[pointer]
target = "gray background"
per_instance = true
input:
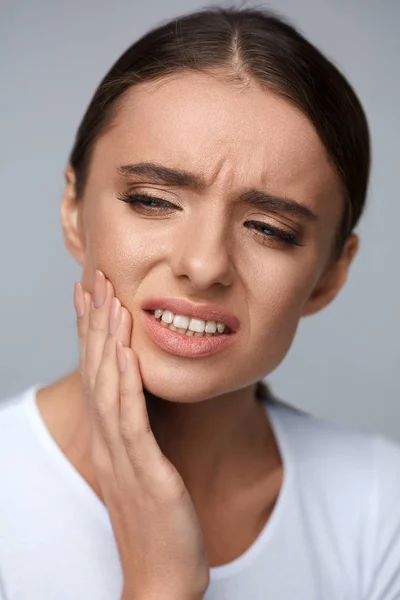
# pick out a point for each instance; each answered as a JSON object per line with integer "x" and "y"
{"x": 344, "y": 363}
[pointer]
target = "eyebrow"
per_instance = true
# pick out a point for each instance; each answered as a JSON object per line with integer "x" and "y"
{"x": 157, "y": 173}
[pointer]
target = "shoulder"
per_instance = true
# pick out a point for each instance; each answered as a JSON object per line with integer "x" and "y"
{"x": 349, "y": 482}
{"x": 382, "y": 535}
{"x": 313, "y": 440}
{"x": 337, "y": 450}
{"x": 14, "y": 417}
{"x": 19, "y": 445}
{"x": 347, "y": 468}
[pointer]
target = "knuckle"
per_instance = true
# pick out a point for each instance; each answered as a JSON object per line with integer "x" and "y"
{"x": 127, "y": 433}
{"x": 81, "y": 328}
{"x": 101, "y": 408}
{"x": 89, "y": 380}
{"x": 124, "y": 388}
{"x": 133, "y": 438}
{"x": 175, "y": 492}
{"x": 101, "y": 413}
{"x": 87, "y": 386}
{"x": 109, "y": 347}
{"x": 136, "y": 445}
{"x": 98, "y": 320}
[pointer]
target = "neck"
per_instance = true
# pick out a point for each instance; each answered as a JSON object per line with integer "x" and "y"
{"x": 211, "y": 440}
{"x": 219, "y": 444}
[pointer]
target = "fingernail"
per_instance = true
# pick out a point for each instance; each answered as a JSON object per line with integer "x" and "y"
{"x": 115, "y": 316}
{"x": 99, "y": 289}
{"x": 79, "y": 300}
{"x": 121, "y": 358}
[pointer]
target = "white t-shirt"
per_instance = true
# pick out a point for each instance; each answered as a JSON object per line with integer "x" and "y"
{"x": 334, "y": 533}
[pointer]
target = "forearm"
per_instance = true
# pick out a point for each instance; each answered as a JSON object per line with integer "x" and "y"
{"x": 164, "y": 591}
{"x": 130, "y": 596}
{"x": 166, "y": 594}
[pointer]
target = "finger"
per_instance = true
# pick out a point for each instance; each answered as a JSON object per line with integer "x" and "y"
{"x": 103, "y": 293}
{"x": 105, "y": 403}
{"x": 81, "y": 303}
{"x": 134, "y": 424}
{"x": 83, "y": 334}
{"x": 124, "y": 330}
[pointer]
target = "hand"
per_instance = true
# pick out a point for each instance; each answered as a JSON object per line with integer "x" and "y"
{"x": 155, "y": 524}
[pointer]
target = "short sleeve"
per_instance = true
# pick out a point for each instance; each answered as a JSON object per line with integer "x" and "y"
{"x": 382, "y": 552}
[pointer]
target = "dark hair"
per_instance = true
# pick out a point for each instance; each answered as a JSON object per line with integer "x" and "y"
{"x": 245, "y": 44}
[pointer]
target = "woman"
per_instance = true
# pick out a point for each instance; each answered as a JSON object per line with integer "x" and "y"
{"x": 213, "y": 189}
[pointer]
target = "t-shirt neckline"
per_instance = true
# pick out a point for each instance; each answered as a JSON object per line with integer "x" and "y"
{"x": 99, "y": 508}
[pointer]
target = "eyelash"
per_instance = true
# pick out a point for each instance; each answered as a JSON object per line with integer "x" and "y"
{"x": 291, "y": 239}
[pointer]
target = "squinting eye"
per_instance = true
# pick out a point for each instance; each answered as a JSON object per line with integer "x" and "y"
{"x": 275, "y": 234}
{"x": 145, "y": 200}
{"x": 152, "y": 204}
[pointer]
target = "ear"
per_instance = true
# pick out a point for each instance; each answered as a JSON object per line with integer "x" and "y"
{"x": 333, "y": 278}
{"x": 71, "y": 218}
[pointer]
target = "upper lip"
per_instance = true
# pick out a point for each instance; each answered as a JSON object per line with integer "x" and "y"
{"x": 206, "y": 312}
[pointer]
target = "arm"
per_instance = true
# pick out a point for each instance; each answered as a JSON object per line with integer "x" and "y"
{"x": 156, "y": 528}
{"x": 156, "y": 596}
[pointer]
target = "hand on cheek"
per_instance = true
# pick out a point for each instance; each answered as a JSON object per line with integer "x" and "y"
{"x": 154, "y": 521}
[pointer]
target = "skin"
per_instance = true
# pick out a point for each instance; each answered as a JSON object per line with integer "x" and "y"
{"x": 237, "y": 138}
{"x": 156, "y": 529}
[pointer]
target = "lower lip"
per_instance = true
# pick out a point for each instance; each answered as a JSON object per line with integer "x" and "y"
{"x": 184, "y": 345}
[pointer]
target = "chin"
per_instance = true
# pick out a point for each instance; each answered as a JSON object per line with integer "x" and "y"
{"x": 176, "y": 384}
{"x": 175, "y": 389}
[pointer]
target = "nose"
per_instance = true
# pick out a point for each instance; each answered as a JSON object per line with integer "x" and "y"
{"x": 202, "y": 253}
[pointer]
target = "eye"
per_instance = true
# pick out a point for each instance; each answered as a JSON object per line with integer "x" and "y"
{"x": 146, "y": 202}
{"x": 269, "y": 234}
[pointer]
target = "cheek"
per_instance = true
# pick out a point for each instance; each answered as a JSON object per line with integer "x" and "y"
{"x": 108, "y": 246}
{"x": 124, "y": 250}
{"x": 283, "y": 281}
{"x": 279, "y": 292}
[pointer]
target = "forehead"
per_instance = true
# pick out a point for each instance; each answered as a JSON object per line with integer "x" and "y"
{"x": 204, "y": 124}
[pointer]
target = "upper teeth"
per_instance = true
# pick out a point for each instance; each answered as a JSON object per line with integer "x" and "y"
{"x": 182, "y": 322}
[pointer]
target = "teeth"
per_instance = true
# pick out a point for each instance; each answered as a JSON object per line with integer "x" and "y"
{"x": 187, "y": 325}
{"x": 167, "y": 316}
{"x": 181, "y": 322}
{"x": 197, "y": 325}
{"x": 211, "y": 327}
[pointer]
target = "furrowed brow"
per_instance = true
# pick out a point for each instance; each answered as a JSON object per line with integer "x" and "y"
{"x": 276, "y": 204}
{"x": 163, "y": 175}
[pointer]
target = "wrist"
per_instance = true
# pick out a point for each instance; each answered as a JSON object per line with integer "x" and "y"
{"x": 156, "y": 596}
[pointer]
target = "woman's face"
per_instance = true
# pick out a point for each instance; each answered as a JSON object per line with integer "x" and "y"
{"x": 209, "y": 245}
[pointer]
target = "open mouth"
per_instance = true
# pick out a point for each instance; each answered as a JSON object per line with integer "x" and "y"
{"x": 189, "y": 326}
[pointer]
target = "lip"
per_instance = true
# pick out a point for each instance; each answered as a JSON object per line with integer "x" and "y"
{"x": 180, "y": 344}
{"x": 206, "y": 312}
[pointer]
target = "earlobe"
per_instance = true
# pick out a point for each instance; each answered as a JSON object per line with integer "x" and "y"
{"x": 334, "y": 278}
{"x": 71, "y": 218}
